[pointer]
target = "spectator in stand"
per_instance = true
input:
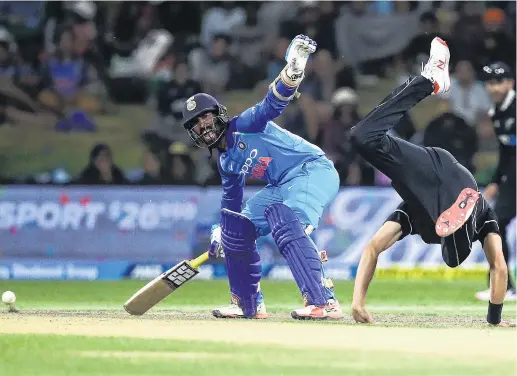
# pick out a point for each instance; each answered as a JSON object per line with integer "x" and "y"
{"x": 316, "y": 20}
{"x": 180, "y": 18}
{"x": 7, "y": 58}
{"x": 101, "y": 170}
{"x": 82, "y": 20}
{"x": 28, "y": 76}
{"x": 249, "y": 45}
{"x": 153, "y": 173}
{"x": 468, "y": 29}
{"x": 467, "y": 95}
{"x": 219, "y": 19}
{"x": 303, "y": 116}
{"x": 418, "y": 49}
{"x": 215, "y": 69}
{"x": 127, "y": 30}
{"x": 171, "y": 96}
{"x": 20, "y": 83}
{"x": 65, "y": 78}
{"x": 496, "y": 44}
{"x": 179, "y": 168}
{"x": 488, "y": 142}
{"x": 277, "y": 59}
{"x": 270, "y": 16}
{"x": 450, "y": 132}
{"x": 334, "y": 139}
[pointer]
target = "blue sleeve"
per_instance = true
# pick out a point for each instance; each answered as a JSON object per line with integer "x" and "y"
{"x": 233, "y": 186}
{"x": 254, "y": 119}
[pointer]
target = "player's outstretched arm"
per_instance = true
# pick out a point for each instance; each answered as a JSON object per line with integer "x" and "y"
{"x": 498, "y": 278}
{"x": 384, "y": 238}
{"x": 282, "y": 89}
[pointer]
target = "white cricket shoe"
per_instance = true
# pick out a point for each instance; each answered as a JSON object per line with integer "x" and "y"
{"x": 311, "y": 312}
{"x": 233, "y": 311}
{"x": 485, "y": 296}
{"x": 437, "y": 67}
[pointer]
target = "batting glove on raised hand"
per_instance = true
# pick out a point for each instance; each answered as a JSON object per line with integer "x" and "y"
{"x": 297, "y": 54}
{"x": 216, "y": 249}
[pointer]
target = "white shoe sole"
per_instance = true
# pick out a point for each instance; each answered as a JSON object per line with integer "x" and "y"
{"x": 447, "y": 79}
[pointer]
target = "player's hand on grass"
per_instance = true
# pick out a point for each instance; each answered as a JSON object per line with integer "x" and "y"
{"x": 505, "y": 324}
{"x": 361, "y": 315}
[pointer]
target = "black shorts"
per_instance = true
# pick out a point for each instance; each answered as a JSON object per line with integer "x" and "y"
{"x": 456, "y": 247}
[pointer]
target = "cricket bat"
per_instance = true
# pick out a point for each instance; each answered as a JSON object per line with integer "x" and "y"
{"x": 163, "y": 285}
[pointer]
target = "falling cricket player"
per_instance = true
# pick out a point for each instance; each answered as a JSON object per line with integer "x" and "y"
{"x": 441, "y": 200}
{"x": 301, "y": 182}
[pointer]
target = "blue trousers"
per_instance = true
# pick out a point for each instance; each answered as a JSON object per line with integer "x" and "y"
{"x": 307, "y": 189}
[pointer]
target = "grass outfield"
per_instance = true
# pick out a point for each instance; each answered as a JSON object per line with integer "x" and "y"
{"x": 80, "y": 328}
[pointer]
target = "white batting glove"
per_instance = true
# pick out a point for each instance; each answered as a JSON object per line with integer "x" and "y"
{"x": 216, "y": 249}
{"x": 297, "y": 54}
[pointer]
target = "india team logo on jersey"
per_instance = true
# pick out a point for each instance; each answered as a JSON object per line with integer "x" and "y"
{"x": 242, "y": 146}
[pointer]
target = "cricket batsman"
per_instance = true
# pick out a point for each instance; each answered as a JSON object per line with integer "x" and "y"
{"x": 301, "y": 182}
{"x": 441, "y": 201}
{"x": 499, "y": 83}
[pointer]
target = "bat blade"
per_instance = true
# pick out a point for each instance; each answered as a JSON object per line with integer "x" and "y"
{"x": 159, "y": 288}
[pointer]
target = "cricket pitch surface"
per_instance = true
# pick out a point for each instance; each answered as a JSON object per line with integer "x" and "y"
{"x": 65, "y": 338}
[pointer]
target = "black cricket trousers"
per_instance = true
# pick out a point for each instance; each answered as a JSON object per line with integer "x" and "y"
{"x": 428, "y": 179}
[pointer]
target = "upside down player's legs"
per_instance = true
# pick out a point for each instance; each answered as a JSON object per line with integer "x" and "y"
{"x": 392, "y": 108}
{"x": 410, "y": 167}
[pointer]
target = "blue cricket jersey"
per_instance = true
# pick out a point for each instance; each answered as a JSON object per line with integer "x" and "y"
{"x": 258, "y": 148}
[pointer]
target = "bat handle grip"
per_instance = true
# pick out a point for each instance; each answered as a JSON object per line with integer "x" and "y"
{"x": 201, "y": 259}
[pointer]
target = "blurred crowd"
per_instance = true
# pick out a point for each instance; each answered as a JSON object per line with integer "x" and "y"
{"x": 64, "y": 63}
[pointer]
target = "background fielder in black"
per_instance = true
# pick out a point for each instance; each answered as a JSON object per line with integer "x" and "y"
{"x": 499, "y": 82}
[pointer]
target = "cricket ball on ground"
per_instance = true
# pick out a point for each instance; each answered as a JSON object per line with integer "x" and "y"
{"x": 8, "y": 297}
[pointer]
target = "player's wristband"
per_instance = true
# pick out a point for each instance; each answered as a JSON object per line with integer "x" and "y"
{"x": 494, "y": 313}
{"x": 283, "y": 91}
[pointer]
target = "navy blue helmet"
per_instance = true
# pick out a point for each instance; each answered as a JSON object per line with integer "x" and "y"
{"x": 497, "y": 71}
{"x": 210, "y": 132}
